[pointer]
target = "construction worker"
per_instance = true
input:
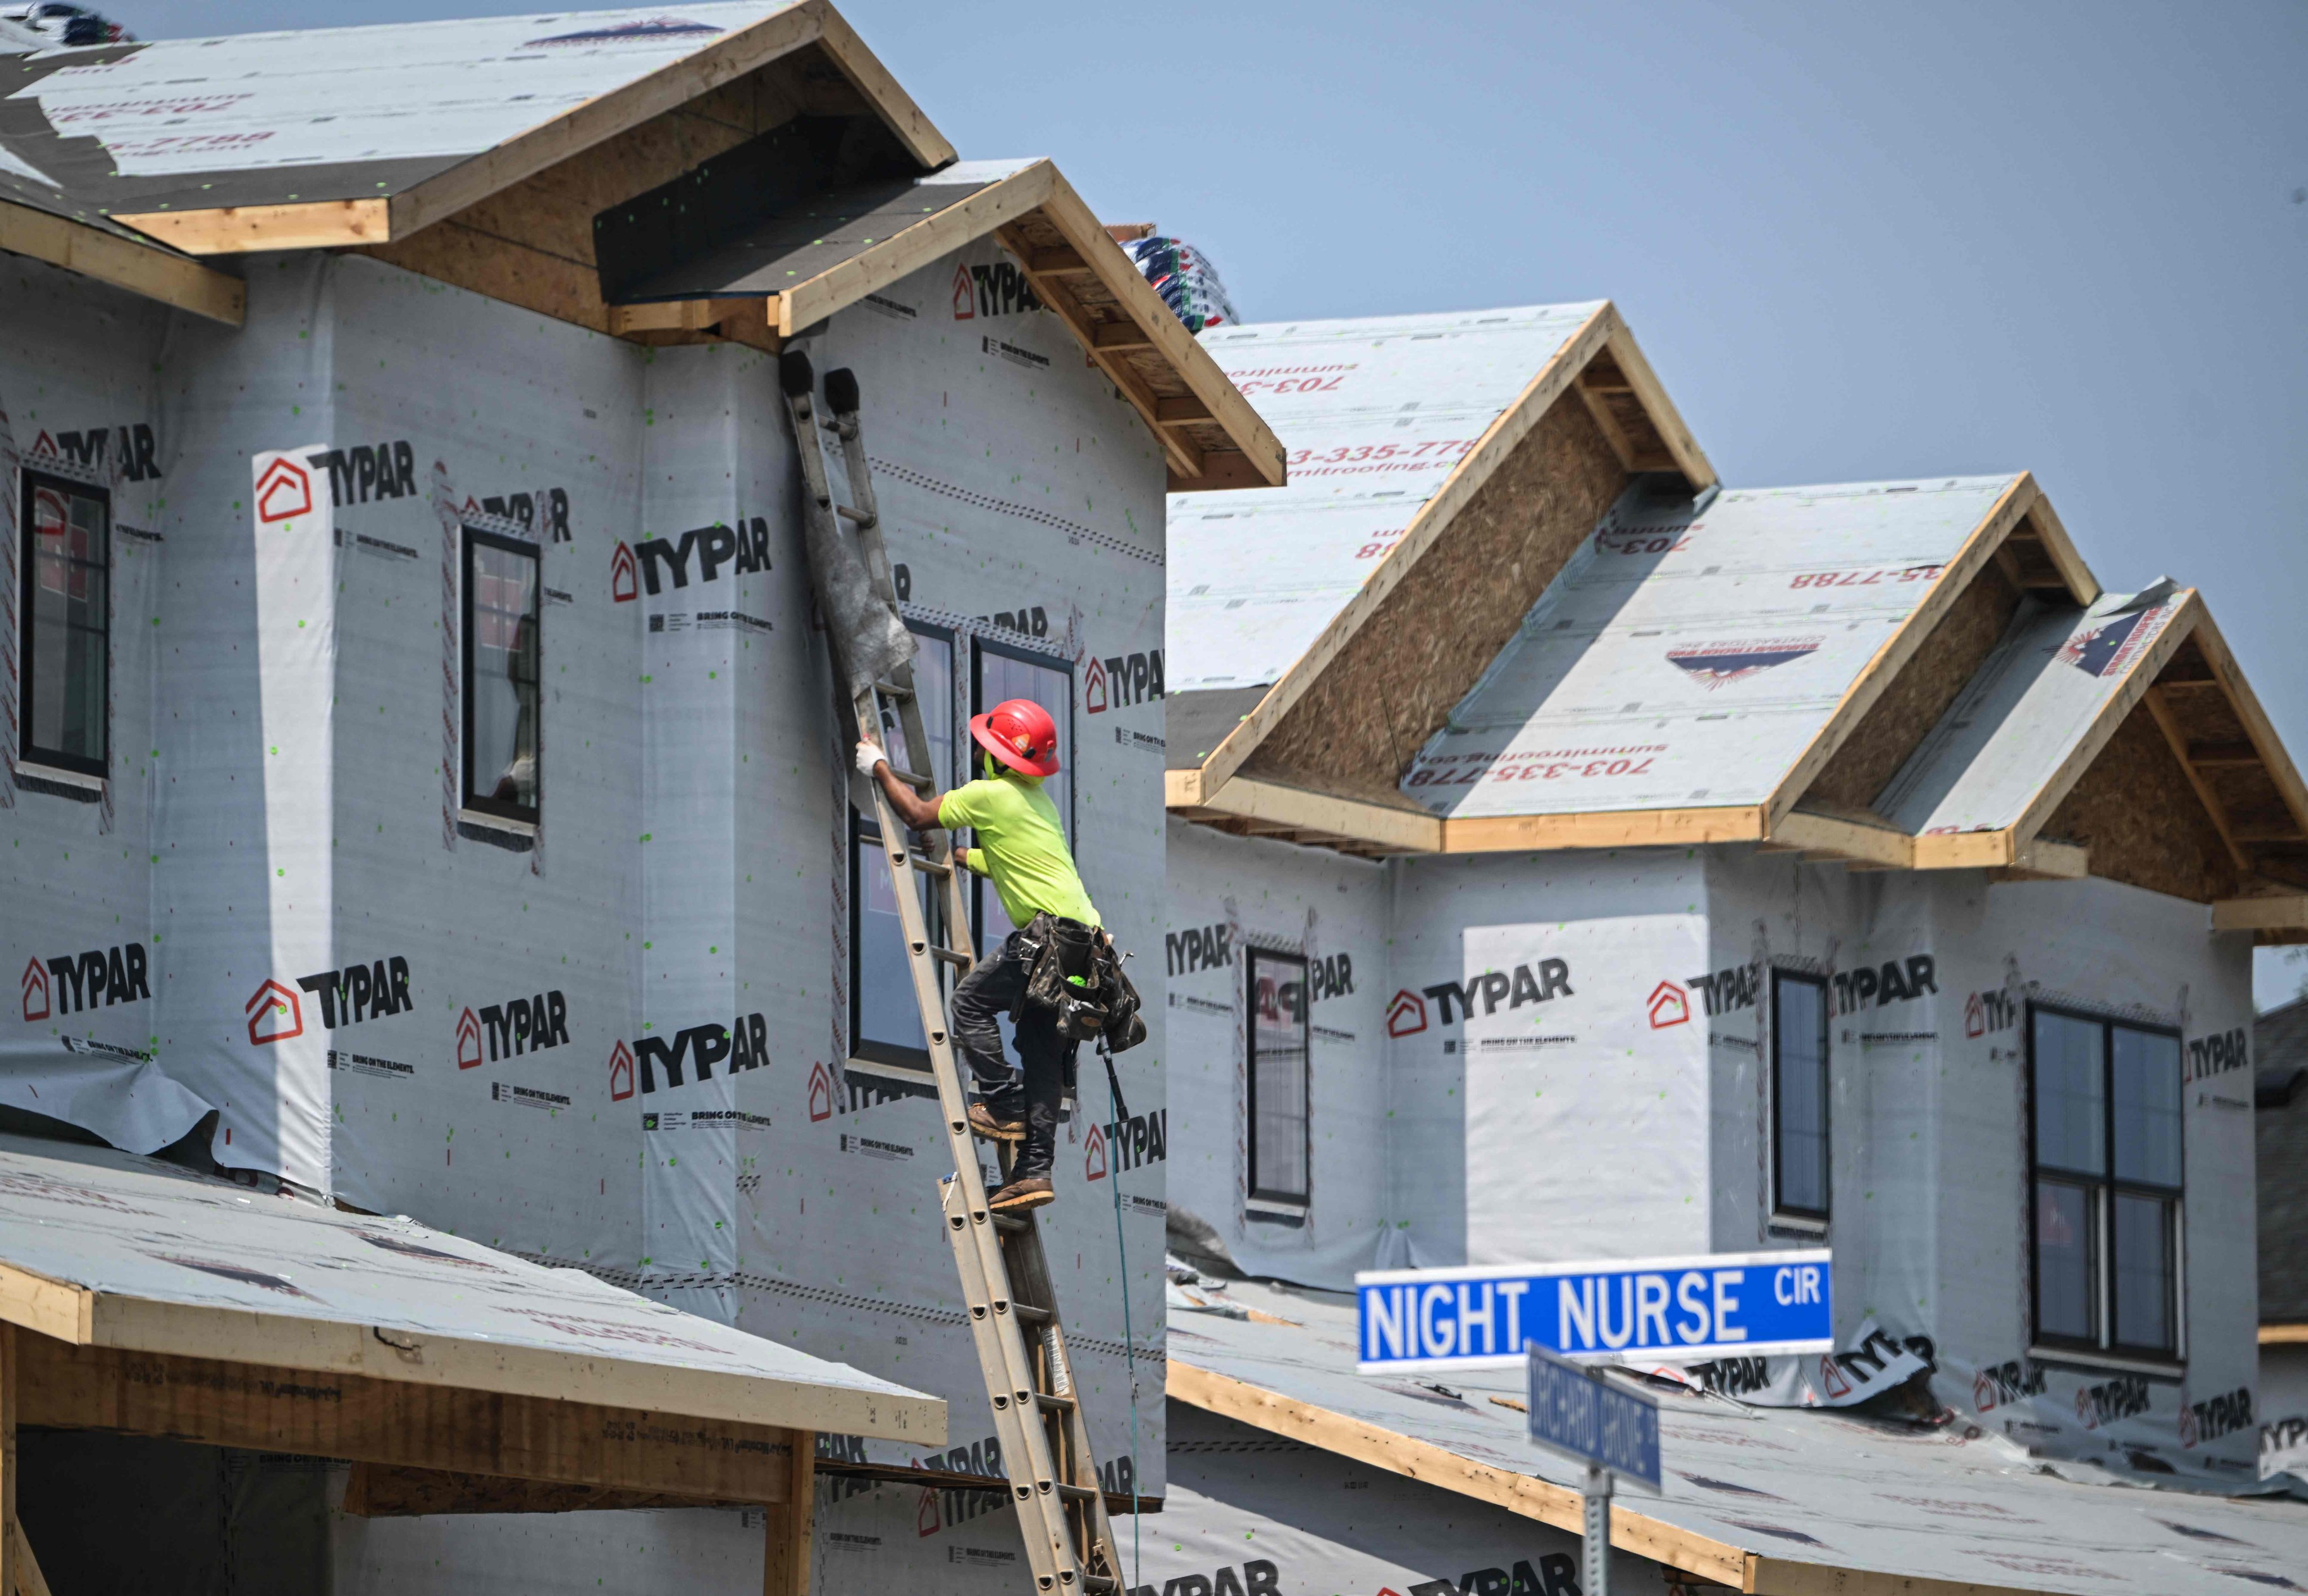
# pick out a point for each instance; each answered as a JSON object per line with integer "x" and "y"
{"x": 1022, "y": 846}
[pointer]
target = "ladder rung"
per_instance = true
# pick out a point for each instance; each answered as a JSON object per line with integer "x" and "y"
{"x": 1012, "y": 1223}
{"x": 1077, "y": 1493}
{"x": 857, "y": 517}
{"x": 1030, "y": 1314}
{"x": 1043, "y": 1399}
{"x": 893, "y": 690}
{"x": 928, "y": 866}
{"x": 958, "y": 961}
{"x": 1100, "y": 1584}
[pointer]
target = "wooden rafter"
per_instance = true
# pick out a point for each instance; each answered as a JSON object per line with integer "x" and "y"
{"x": 130, "y": 263}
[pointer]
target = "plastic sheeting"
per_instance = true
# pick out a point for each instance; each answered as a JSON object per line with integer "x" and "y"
{"x": 1950, "y": 1502}
{"x": 1375, "y": 413}
{"x": 1692, "y": 650}
{"x": 1186, "y": 280}
{"x": 2024, "y": 710}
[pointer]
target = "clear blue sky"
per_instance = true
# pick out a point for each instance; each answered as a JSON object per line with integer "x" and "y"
{"x": 1858, "y": 240}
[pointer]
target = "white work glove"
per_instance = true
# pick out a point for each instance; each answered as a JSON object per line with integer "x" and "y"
{"x": 869, "y": 754}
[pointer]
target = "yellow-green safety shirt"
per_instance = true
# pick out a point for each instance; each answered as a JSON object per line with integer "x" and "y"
{"x": 1021, "y": 845}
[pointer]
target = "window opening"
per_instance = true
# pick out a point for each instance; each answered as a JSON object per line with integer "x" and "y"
{"x": 1279, "y": 1110}
{"x": 1799, "y": 1096}
{"x": 1001, "y": 673}
{"x": 885, "y": 1023}
{"x": 503, "y": 590}
{"x": 66, "y": 643}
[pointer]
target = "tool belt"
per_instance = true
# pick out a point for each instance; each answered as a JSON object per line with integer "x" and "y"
{"x": 1073, "y": 970}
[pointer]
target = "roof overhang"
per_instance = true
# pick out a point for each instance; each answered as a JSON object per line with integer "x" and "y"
{"x": 147, "y": 1300}
{"x": 124, "y": 261}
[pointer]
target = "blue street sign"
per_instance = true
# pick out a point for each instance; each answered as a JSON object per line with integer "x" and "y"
{"x": 1633, "y": 1310}
{"x": 1604, "y": 1425}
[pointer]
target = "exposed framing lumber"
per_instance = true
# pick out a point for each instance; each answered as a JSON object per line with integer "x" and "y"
{"x": 909, "y": 250}
{"x": 12, "y": 1561}
{"x": 1423, "y": 1460}
{"x": 142, "y": 268}
{"x": 2176, "y": 736}
{"x": 787, "y": 1534}
{"x": 82, "y": 1317}
{"x": 1649, "y": 393}
{"x": 339, "y": 223}
{"x": 1874, "y": 679}
{"x": 2245, "y": 705}
{"x": 2137, "y": 683}
{"x": 1601, "y": 331}
{"x": 2277, "y": 911}
{"x": 2044, "y": 527}
{"x": 1826, "y": 837}
{"x": 1624, "y": 828}
{"x": 1272, "y": 808}
{"x": 316, "y": 1414}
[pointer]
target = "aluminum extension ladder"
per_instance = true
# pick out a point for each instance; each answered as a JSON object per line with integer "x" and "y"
{"x": 1005, "y": 1280}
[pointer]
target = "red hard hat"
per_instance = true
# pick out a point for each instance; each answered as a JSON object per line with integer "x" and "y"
{"x": 1020, "y": 734}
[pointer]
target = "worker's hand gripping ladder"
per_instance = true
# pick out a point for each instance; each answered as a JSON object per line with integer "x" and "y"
{"x": 1013, "y": 1314}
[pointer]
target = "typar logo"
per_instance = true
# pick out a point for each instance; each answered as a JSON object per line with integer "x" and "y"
{"x": 1094, "y": 1153}
{"x": 518, "y": 1026}
{"x": 1984, "y": 1011}
{"x": 999, "y": 289}
{"x": 1122, "y": 679}
{"x": 36, "y": 989}
{"x": 821, "y": 1093}
{"x": 1670, "y": 1004}
{"x": 1540, "y": 982}
{"x": 274, "y": 1014}
{"x": 284, "y": 490}
{"x": 1141, "y": 1139}
{"x": 965, "y": 296}
{"x": 469, "y": 1041}
{"x": 1406, "y": 1014}
{"x": 744, "y": 548}
{"x": 625, "y": 583}
{"x": 1717, "y": 664}
{"x": 1094, "y": 687}
{"x": 621, "y": 1073}
{"x": 743, "y": 1044}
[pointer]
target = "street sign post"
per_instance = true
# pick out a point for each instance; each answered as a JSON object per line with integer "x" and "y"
{"x": 1634, "y": 1310}
{"x": 1611, "y": 1429}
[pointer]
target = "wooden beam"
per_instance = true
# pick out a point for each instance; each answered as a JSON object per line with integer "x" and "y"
{"x": 1057, "y": 263}
{"x": 2286, "y": 911}
{"x": 672, "y": 315}
{"x": 865, "y": 72}
{"x": 1187, "y": 408}
{"x": 27, "y": 1578}
{"x": 239, "y": 230}
{"x": 2082, "y": 586}
{"x": 11, "y": 1559}
{"x": 909, "y": 249}
{"x": 1521, "y": 1494}
{"x": 1119, "y": 335}
{"x": 1296, "y": 808}
{"x": 316, "y": 1413}
{"x": 2283, "y": 1335}
{"x": 1833, "y": 837}
{"x": 385, "y": 1491}
{"x": 1875, "y": 676}
{"x": 788, "y": 1535}
{"x": 2176, "y": 736}
{"x": 1665, "y": 418}
{"x": 2245, "y": 705}
{"x": 124, "y": 263}
{"x": 1630, "y": 828}
{"x": 2138, "y": 681}
{"x": 1784, "y": 1576}
{"x": 1606, "y": 423}
{"x": 2207, "y": 756}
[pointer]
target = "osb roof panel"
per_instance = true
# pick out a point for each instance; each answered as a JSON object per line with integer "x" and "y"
{"x": 2012, "y": 726}
{"x": 1374, "y": 412}
{"x": 812, "y": 238}
{"x": 320, "y": 113}
{"x": 1688, "y": 658}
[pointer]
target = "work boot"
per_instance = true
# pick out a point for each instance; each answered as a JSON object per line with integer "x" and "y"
{"x": 1028, "y": 1191}
{"x": 993, "y": 1127}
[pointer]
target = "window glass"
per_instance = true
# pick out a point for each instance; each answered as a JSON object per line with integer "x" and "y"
{"x": 67, "y": 617}
{"x": 2065, "y": 1295}
{"x": 2146, "y": 1067}
{"x": 1799, "y": 1104}
{"x": 2070, "y": 1123}
{"x": 1278, "y": 1075}
{"x": 501, "y": 594}
{"x": 2143, "y": 1271}
{"x": 885, "y": 1022}
{"x": 1004, "y": 676}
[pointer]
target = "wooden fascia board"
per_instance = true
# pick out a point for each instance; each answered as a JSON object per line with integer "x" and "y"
{"x": 1398, "y": 1454}
{"x": 1876, "y": 676}
{"x": 1665, "y": 418}
{"x": 1426, "y": 527}
{"x": 140, "y": 268}
{"x": 1119, "y": 275}
{"x": 86, "y": 1318}
{"x": 2137, "y": 681}
{"x": 2284, "y": 911}
{"x": 908, "y": 251}
{"x": 1784, "y": 1576}
{"x": 2083, "y": 586}
{"x": 2245, "y": 705}
{"x": 1621, "y": 828}
{"x": 344, "y": 223}
{"x": 1845, "y": 839}
{"x": 1404, "y": 831}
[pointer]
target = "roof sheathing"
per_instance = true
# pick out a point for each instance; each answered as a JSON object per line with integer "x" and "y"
{"x": 1524, "y": 491}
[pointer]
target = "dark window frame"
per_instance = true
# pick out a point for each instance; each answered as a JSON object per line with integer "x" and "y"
{"x": 981, "y": 644}
{"x": 1780, "y": 1207}
{"x": 2103, "y": 1189}
{"x": 470, "y": 801}
{"x": 865, "y": 828}
{"x": 1252, "y": 956}
{"x": 27, "y": 655}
